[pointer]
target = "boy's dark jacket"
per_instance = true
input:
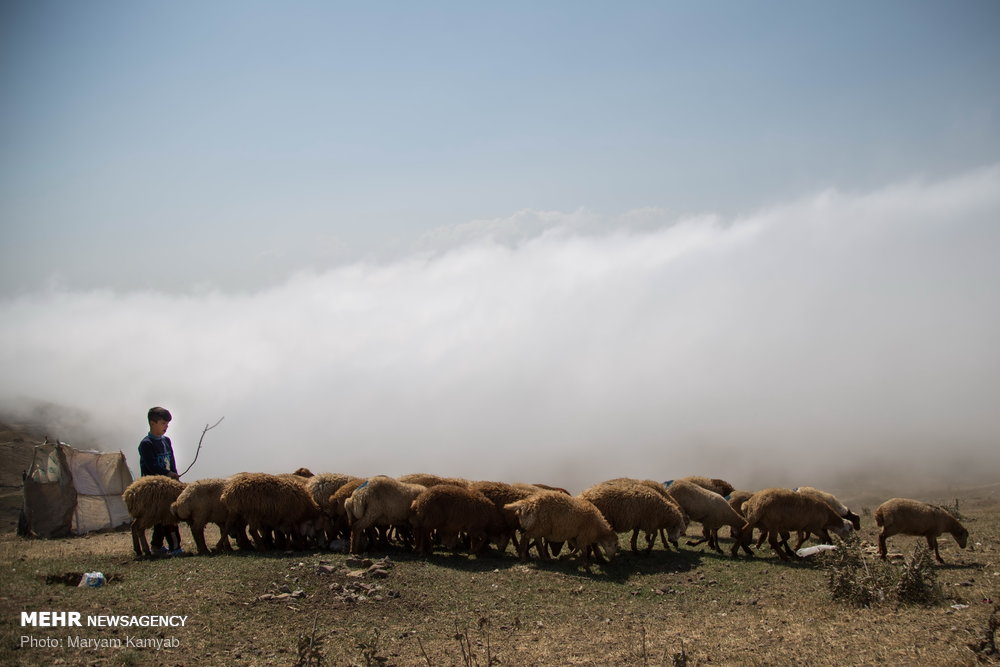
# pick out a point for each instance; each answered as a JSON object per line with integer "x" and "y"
{"x": 156, "y": 456}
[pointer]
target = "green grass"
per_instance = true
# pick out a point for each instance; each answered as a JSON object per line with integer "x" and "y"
{"x": 458, "y": 610}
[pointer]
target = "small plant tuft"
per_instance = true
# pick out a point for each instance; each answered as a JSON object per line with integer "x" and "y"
{"x": 370, "y": 650}
{"x": 918, "y": 583}
{"x": 986, "y": 649}
{"x": 680, "y": 659}
{"x": 310, "y": 648}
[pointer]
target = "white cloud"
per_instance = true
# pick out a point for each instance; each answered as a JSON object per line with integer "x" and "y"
{"x": 781, "y": 347}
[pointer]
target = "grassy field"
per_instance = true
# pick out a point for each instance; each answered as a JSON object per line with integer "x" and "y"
{"x": 693, "y": 607}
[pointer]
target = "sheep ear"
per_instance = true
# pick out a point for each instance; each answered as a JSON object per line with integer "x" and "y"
{"x": 668, "y": 482}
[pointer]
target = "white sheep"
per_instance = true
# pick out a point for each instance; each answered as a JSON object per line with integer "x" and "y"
{"x": 706, "y": 507}
{"x": 556, "y": 517}
{"x": 199, "y": 504}
{"x": 148, "y": 501}
{"x": 379, "y": 501}
{"x": 635, "y": 507}
{"x": 913, "y": 517}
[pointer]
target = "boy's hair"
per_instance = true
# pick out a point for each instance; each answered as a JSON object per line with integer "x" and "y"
{"x": 158, "y": 414}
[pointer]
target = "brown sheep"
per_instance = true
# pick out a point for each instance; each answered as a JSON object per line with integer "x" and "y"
{"x": 502, "y": 494}
{"x": 912, "y": 517}
{"x": 557, "y": 517}
{"x": 428, "y": 480}
{"x": 779, "y": 511}
{"x": 199, "y": 504}
{"x": 635, "y": 507}
{"x": 148, "y": 501}
{"x": 452, "y": 510}
{"x": 266, "y": 503}
{"x": 720, "y": 486}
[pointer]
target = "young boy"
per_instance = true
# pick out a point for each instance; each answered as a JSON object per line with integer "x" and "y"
{"x": 156, "y": 457}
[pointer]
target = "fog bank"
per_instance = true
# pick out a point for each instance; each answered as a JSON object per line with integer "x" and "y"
{"x": 792, "y": 345}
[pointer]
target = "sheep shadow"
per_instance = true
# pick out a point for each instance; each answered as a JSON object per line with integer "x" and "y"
{"x": 960, "y": 566}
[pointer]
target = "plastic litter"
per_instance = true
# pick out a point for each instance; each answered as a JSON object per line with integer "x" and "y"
{"x": 92, "y": 579}
{"x": 811, "y": 551}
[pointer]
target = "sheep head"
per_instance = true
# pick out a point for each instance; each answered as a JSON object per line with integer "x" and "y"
{"x": 845, "y": 529}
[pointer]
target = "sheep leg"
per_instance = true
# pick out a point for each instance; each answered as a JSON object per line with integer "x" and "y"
{"x": 883, "y": 550}
{"x": 784, "y": 543}
{"x": 713, "y": 539}
{"x": 237, "y": 528}
{"x": 635, "y": 539}
{"x": 760, "y": 540}
{"x": 198, "y": 532}
{"x": 522, "y": 548}
{"x": 802, "y": 536}
{"x": 772, "y": 539}
{"x": 356, "y": 534}
{"x": 651, "y": 540}
{"x": 223, "y": 543}
{"x": 932, "y": 544}
{"x": 139, "y": 543}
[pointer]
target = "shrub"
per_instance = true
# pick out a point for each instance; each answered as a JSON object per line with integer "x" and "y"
{"x": 864, "y": 582}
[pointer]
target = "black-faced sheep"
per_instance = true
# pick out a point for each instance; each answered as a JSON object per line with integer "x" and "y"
{"x": 557, "y": 517}
{"x": 779, "y": 511}
{"x": 380, "y": 501}
{"x": 148, "y": 501}
{"x": 831, "y": 500}
{"x": 912, "y": 517}
{"x": 635, "y": 507}
{"x": 706, "y": 507}
{"x": 199, "y": 504}
{"x": 450, "y": 511}
{"x": 266, "y": 503}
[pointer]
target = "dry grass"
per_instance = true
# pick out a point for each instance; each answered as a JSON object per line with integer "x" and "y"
{"x": 690, "y": 608}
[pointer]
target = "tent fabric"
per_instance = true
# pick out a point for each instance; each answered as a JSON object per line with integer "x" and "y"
{"x": 72, "y": 491}
{"x": 49, "y": 494}
{"x": 99, "y": 478}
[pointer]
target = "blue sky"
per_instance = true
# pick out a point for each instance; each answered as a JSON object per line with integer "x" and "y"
{"x": 238, "y": 142}
{"x": 556, "y": 238}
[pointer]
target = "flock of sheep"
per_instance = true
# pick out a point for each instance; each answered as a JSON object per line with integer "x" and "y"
{"x": 300, "y": 510}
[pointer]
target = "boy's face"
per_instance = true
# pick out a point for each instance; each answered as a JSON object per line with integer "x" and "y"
{"x": 158, "y": 427}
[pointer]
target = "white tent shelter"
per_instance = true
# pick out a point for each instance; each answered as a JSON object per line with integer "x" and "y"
{"x": 69, "y": 490}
